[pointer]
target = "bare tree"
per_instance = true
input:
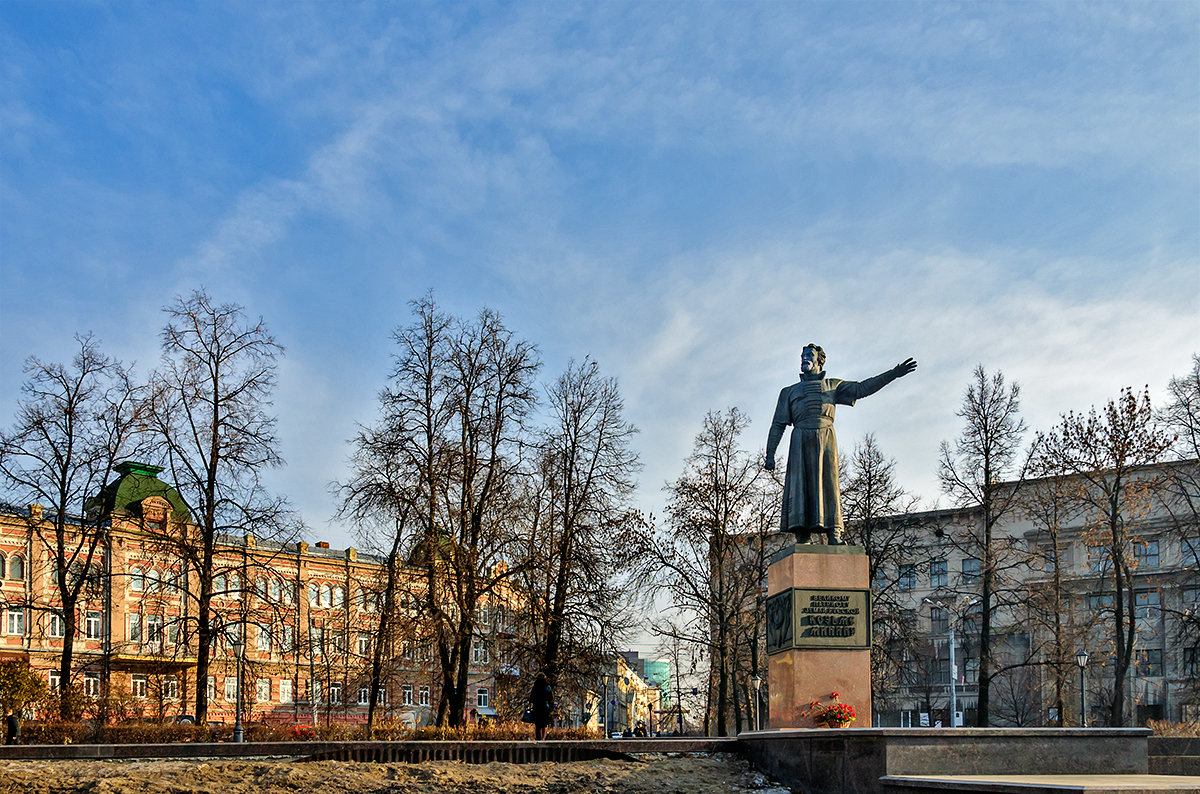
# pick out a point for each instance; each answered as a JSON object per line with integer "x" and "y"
{"x": 1181, "y": 497}
{"x": 209, "y": 412}
{"x": 1106, "y": 453}
{"x": 73, "y": 424}
{"x": 582, "y": 485}
{"x": 1059, "y": 623}
{"x": 379, "y": 499}
{"x": 973, "y": 471}
{"x": 875, "y": 508}
{"x": 710, "y": 561}
{"x": 457, "y": 413}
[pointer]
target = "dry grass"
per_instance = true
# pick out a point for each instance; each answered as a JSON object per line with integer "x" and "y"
{"x": 1187, "y": 730}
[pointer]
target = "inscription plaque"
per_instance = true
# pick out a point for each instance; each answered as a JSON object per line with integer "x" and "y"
{"x": 804, "y": 618}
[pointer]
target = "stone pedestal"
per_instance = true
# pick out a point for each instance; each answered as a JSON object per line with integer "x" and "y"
{"x": 818, "y": 632}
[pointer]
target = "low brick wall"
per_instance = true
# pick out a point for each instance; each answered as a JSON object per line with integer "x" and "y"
{"x": 469, "y": 752}
{"x": 1174, "y": 756}
{"x": 852, "y": 760}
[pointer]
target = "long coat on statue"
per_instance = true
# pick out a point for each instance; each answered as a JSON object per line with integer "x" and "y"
{"x": 811, "y": 498}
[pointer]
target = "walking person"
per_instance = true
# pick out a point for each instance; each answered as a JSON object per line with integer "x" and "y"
{"x": 541, "y": 701}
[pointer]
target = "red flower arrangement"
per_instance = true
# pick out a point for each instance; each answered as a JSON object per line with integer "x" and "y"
{"x": 836, "y": 714}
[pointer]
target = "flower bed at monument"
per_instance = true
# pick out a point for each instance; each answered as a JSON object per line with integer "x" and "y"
{"x": 835, "y": 715}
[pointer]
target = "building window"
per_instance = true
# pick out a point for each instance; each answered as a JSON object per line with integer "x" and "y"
{"x": 2, "y": 566}
{"x": 154, "y": 624}
{"x": 16, "y": 568}
{"x": 1149, "y": 662}
{"x": 91, "y": 685}
{"x": 173, "y": 633}
{"x": 16, "y": 622}
{"x": 1191, "y": 661}
{"x": 287, "y": 640}
{"x": 481, "y": 697}
{"x": 94, "y": 626}
{"x": 479, "y": 652}
{"x": 313, "y": 595}
{"x": 153, "y": 581}
{"x": 171, "y": 687}
{"x": 364, "y": 696}
{"x": 285, "y": 690}
{"x": 211, "y": 689}
{"x": 137, "y": 580}
{"x": 231, "y": 688}
{"x": 970, "y": 569}
{"x": 1100, "y": 603}
{"x": 55, "y": 626}
{"x": 1147, "y": 602}
{"x": 939, "y": 622}
{"x": 907, "y": 579}
{"x": 235, "y": 586}
{"x": 317, "y": 640}
{"x": 423, "y": 696}
{"x": 338, "y": 640}
{"x": 55, "y": 680}
{"x": 335, "y": 692}
{"x": 1146, "y": 554}
{"x": 135, "y": 628}
{"x": 339, "y": 597}
{"x": 326, "y": 596}
{"x": 1098, "y": 561}
{"x": 137, "y": 685}
{"x": 406, "y": 695}
{"x": 364, "y": 644}
{"x": 937, "y": 573}
{"x": 264, "y": 638}
{"x": 262, "y": 691}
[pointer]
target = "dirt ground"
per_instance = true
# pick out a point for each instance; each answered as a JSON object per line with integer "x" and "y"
{"x": 651, "y": 775}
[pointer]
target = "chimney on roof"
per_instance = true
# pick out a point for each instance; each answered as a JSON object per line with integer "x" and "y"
{"x": 322, "y": 544}
{"x": 250, "y": 541}
{"x": 35, "y": 511}
{"x": 352, "y": 555}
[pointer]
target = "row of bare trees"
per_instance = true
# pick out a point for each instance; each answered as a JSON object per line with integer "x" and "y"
{"x": 497, "y": 505}
{"x": 1092, "y": 475}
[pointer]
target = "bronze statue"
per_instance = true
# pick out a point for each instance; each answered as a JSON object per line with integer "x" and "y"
{"x": 811, "y": 499}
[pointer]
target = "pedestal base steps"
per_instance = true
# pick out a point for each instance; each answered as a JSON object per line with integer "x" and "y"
{"x": 869, "y": 760}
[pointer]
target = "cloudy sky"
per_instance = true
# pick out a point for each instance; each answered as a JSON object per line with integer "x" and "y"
{"x": 685, "y": 191}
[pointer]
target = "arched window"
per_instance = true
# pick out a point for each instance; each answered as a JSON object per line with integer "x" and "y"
{"x": 219, "y": 586}
{"x": 360, "y": 599}
{"x": 339, "y": 597}
{"x": 3, "y": 566}
{"x": 275, "y": 590}
{"x": 16, "y": 567}
{"x": 326, "y": 596}
{"x": 261, "y": 588}
{"x": 235, "y": 586}
{"x": 137, "y": 580}
{"x": 313, "y": 595}
{"x": 153, "y": 581}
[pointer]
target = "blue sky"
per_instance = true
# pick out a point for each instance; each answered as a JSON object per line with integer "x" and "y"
{"x": 686, "y": 191}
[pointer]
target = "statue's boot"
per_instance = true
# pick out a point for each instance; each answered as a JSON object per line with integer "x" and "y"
{"x": 802, "y": 537}
{"x": 834, "y": 538}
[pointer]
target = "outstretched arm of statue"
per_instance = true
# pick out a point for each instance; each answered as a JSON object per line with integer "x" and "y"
{"x": 849, "y": 391}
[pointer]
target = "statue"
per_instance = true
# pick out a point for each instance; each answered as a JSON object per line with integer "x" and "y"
{"x": 811, "y": 499}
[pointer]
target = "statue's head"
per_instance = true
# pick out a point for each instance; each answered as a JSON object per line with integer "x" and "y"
{"x": 812, "y": 359}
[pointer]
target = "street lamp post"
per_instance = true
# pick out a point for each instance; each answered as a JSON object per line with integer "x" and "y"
{"x": 1081, "y": 659}
{"x": 950, "y": 615}
{"x": 607, "y": 707}
{"x": 239, "y": 650}
{"x": 757, "y": 683}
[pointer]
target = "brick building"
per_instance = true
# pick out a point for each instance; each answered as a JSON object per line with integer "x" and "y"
{"x": 306, "y": 615}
